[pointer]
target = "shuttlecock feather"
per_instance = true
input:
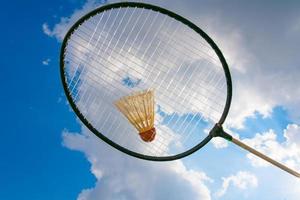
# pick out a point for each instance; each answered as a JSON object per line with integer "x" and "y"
{"x": 138, "y": 108}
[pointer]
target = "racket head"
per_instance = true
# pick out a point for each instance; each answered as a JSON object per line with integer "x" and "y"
{"x": 66, "y": 73}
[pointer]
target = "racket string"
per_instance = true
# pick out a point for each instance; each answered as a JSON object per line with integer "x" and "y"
{"x": 126, "y": 131}
{"x": 100, "y": 105}
{"x": 197, "y": 123}
{"x": 184, "y": 44}
{"x": 89, "y": 41}
{"x": 110, "y": 28}
{"x": 212, "y": 91}
{"x": 106, "y": 35}
{"x": 187, "y": 116}
{"x": 115, "y": 93}
{"x": 202, "y": 115}
{"x": 161, "y": 65}
{"x": 99, "y": 77}
{"x": 83, "y": 68}
{"x": 106, "y": 120}
{"x": 190, "y": 43}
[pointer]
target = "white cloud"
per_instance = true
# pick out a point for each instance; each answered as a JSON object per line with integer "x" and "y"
{"x": 46, "y": 30}
{"x": 60, "y": 29}
{"x": 287, "y": 151}
{"x": 264, "y": 76}
{"x": 123, "y": 177}
{"x": 46, "y": 61}
{"x": 219, "y": 143}
{"x": 264, "y": 68}
{"x": 242, "y": 180}
{"x": 292, "y": 134}
{"x": 259, "y": 83}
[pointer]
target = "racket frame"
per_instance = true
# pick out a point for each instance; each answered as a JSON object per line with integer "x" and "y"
{"x": 191, "y": 25}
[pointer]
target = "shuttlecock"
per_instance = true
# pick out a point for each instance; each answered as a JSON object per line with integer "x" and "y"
{"x": 138, "y": 108}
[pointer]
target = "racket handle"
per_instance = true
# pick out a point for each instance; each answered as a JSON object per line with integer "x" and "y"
{"x": 264, "y": 157}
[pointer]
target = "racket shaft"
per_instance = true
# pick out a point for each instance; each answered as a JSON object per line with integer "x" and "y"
{"x": 264, "y": 157}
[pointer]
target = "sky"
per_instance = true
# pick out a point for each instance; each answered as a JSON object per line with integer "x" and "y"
{"x": 48, "y": 154}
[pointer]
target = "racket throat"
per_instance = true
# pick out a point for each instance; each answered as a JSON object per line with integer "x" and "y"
{"x": 217, "y": 131}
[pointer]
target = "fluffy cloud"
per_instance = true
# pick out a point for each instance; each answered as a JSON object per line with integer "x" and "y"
{"x": 60, "y": 29}
{"x": 260, "y": 77}
{"x": 292, "y": 134}
{"x": 261, "y": 56}
{"x": 219, "y": 143}
{"x": 287, "y": 151}
{"x": 46, "y": 61}
{"x": 265, "y": 74}
{"x": 242, "y": 180}
{"x": 122, "y": 177}
{"x": 259, "y": 83}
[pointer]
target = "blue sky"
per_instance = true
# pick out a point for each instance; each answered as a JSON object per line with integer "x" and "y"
{"x": 34, "y": 112}
{"x": 47, "y": 154}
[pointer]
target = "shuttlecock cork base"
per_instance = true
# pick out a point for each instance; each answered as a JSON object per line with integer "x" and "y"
{"x": 149, "y": 135}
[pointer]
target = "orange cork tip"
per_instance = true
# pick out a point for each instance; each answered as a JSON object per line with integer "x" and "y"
{"x": 149, "y": 135}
